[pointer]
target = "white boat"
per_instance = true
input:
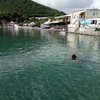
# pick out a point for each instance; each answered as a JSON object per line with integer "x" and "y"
{"x": 53, "y": 24}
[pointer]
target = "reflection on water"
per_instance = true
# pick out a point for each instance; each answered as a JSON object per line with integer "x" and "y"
{"x": 37, "y": 65}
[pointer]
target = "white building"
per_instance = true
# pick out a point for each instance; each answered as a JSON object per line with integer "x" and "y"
{"x": 81, "y": 21}
{"x": 81, "y": 14}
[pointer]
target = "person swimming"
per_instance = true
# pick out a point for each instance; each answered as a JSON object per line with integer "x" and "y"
{"x": 74, "y": 57}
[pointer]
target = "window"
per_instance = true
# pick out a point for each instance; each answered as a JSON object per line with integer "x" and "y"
{"x": 94, "y": 22}
{"x": 93, "y": 13}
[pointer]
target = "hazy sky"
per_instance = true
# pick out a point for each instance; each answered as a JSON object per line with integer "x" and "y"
{"x": 66, "y": 5}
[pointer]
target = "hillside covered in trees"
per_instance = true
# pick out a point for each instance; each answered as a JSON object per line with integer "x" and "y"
{"x": 20, "y": 10}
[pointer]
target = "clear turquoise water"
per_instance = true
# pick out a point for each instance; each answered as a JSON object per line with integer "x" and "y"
{"x": 37, "y": 65}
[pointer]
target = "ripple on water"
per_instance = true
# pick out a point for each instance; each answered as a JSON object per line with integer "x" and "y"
{"x": 39, "y": 67}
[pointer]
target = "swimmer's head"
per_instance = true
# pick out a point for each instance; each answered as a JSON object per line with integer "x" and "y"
{"x": 74, "y": 57}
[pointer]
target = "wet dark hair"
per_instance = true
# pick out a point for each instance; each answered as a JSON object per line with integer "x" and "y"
{"x": 74, "y": 57}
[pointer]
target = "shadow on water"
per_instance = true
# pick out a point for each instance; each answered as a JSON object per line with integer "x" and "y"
{"x": 37, "y": 65}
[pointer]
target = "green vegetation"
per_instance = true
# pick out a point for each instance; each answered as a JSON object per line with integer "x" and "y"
{"x": 97, "y": 29}
{"x": 20, "y": 10}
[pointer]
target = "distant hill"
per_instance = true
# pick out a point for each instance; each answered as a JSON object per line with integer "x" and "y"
{"x": 23, "y": 9}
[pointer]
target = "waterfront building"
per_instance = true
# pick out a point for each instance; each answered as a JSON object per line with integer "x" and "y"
{"x": 81, "y": 14}
{"x": 82, "y": 21}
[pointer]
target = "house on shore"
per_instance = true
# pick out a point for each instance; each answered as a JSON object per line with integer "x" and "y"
{"x": 82, "y": 21}
{"x": 81, "y": 14}
{"x": 77, "y": 21}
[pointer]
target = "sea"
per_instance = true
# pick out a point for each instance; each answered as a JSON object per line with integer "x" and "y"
{"x": 37, "y": 65}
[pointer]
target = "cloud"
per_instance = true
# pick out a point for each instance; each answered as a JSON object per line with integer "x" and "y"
{"x": 69, "y": 5}
{"x": 60, "y": 4}
{"x": 96, "y": 4}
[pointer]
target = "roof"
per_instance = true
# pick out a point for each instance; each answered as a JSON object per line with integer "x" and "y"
{"x": 62, "y": 16}
{"x": 93, "y": 9}
{"x": 82, "y": 11}
{"x": 85, "y": 10}
{"x": 48, "y": 22}
{"x": 78, "y": 12}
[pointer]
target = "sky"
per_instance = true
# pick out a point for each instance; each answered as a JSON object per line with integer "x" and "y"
{"x": 69, "y": 5}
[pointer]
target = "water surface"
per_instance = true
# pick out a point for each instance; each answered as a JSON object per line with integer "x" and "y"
{"x": 37, "y": 65}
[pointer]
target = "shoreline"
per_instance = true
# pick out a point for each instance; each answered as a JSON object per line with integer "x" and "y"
{"x": 93, "y": 33}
